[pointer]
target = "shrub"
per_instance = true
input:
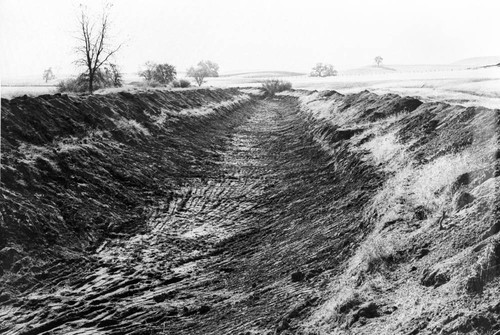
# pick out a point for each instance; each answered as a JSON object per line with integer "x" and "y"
{"x": 110, "y": 76}
{"x": 152, "y": 83}
{"x": 77, "y": 85}
{"x": 162, "y": 74}
{"x": 273, "y": 86}
{"x": 183, "y": 83}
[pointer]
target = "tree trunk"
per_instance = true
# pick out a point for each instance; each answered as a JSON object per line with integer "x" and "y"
{"x": 91, "y": 82}
{"x": 199, "y": 80}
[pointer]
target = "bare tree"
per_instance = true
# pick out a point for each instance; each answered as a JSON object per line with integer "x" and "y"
{"x": 94, "y": 49}
{"x": 48, "y": 74}
{"x": 378, "y": 60}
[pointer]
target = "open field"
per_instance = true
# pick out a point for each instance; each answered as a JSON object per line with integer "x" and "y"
{"x": 463, "y": 83}
{"x": 453, "y": 84}
{"x": 9, "y": 92}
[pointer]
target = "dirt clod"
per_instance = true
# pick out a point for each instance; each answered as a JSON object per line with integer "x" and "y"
{"x": 434, "y": 277}
{"x": 462, "y": 200}
{"x": 297, "y": 276}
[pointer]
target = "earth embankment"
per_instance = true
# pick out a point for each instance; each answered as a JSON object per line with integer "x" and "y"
{"x": 216, "y": 212}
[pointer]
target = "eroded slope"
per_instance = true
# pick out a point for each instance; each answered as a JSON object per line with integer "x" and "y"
{"x": 431, "y": 263}
{"x": 76, "y": 170}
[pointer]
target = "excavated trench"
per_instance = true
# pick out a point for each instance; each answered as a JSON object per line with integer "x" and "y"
{"x": 221, "y": 212}
{"x": 238, "y": 243}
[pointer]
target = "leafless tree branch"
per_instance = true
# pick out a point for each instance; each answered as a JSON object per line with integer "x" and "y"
{"x": 94, "y": 50}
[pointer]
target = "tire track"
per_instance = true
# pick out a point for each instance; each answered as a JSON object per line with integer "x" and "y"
{"x": 217, "y": 255}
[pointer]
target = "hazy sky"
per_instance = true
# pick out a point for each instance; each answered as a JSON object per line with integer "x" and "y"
{"x": 254, "y": 34}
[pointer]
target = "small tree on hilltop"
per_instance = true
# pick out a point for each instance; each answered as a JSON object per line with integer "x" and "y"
{"x": 94, "y": 50}
{"x": 323, "y": 70}
{"x": 48, "y": 75}
{"x": 378, "y": 60}
{"x": 203, "y": 70}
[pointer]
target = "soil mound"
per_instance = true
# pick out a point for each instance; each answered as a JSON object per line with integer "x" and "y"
{"x": 78, "y": 169}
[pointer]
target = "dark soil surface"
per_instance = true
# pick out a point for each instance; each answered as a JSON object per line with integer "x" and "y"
{"x": 239, "y": 242}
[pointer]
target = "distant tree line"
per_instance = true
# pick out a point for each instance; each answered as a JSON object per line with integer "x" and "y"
{"x": 165, "y": 74}
{"x": 95, "y": 52}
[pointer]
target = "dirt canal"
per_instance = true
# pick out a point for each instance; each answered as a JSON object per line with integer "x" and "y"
{"x": 244, "y": 245}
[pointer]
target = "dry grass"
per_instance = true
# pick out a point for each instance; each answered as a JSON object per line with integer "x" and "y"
{"x": 132, "y": 126}
{"x": 380, "y": 268}
{"x": 385, "y": 149}
{"x": 324, "y": 108}
{"x": 440, "y": 173}
{"x": 213, "y": 107}
{"x": 33, "y": 153}
{"x": 273, "y": 86}
{"x": 377, "y": 252}
{"x": 426, "y": 186}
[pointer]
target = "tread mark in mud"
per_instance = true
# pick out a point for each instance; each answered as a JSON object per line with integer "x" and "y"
{"x": 217, "y": 256}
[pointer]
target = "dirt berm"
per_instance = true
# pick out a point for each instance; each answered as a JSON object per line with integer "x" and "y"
{"x": 220, "y": 212}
